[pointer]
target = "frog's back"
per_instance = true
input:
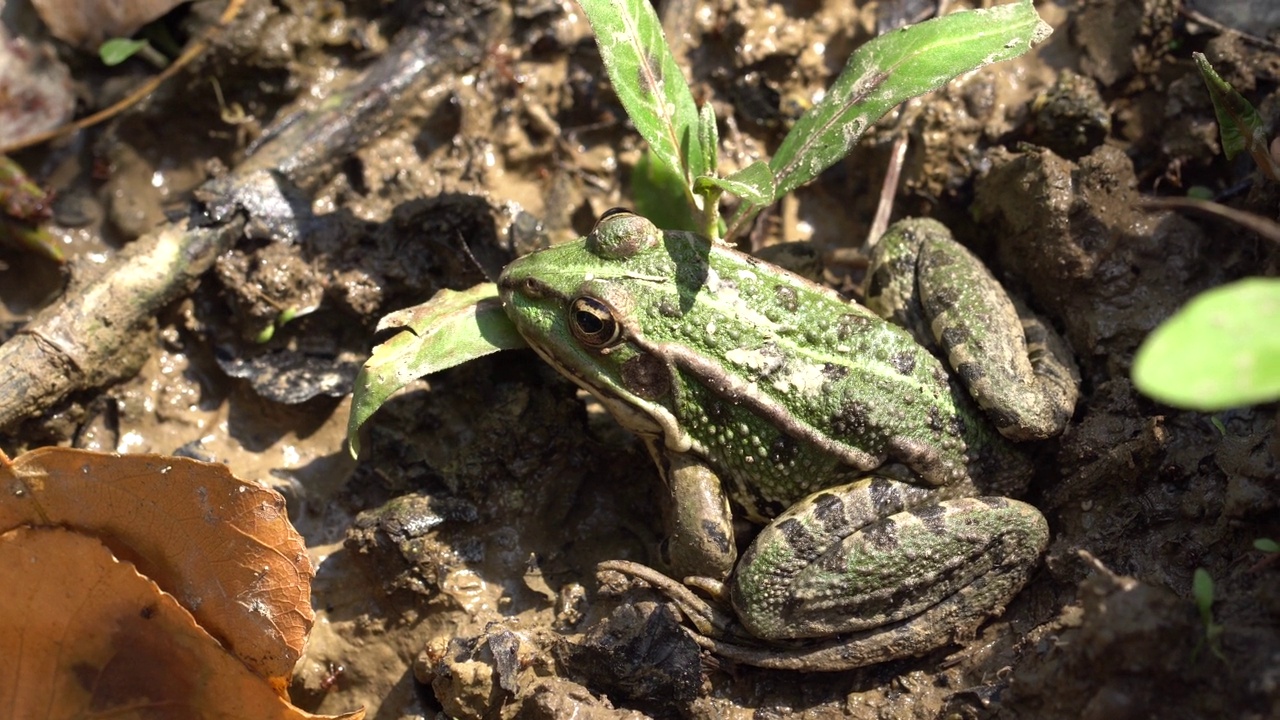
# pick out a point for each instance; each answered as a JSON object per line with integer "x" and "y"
{"x": 787, "y": 387}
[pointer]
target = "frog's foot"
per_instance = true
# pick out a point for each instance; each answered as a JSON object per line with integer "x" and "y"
{"x": 709, "y": 620}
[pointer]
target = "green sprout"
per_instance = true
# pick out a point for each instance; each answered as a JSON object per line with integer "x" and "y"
{"x": 678, "y": 184}
{"x": 1202, "y": 589}
{"x": 285, "y": 316}
{"x": 114, "y": 51}
{"x": 881, "y": 74}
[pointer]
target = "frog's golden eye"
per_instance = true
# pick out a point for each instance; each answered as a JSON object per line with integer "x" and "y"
{"x": 592, "y": 323}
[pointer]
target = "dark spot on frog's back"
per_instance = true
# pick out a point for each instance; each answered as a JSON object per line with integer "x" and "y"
{"x": 944, "y": 298}
{"x": 933, "y": 517}
{"x": 882, "y": 536}
{"x": 936, "y": 425}
{"x": 851, "y": 420}
{"x": 954, "y": 336}
{"x": 802, "y": 543}
{"x": 904, "y": 362}
{"x": 850, "y": 325}
{"x": 880, "y": 279}
{"x": 786, "y": 297}
{"x": 645, "y": 375}
{"x": 970, "y": 373}
{"x": 885, "y": 498}
{"x": 830, "y": 512}
{"x": 834, "y": 372}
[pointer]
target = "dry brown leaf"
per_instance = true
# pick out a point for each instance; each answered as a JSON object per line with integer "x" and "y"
{"x": 85, "y": 636}
{"x": 87, "y": 24}
{"x": 224, "y": 547}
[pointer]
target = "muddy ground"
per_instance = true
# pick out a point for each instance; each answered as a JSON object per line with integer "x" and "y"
{"x": 456, "y": 558}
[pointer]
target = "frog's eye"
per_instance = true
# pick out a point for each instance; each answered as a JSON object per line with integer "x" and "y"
{"x": 592, "y": 323}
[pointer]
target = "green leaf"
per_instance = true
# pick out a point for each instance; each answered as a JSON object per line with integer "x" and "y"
{"x": 1219, "y": 351}
{"x": 1267, "y": 545}
{"x": 753, "y": 183}
{"x": 117, "y": 50}
{"x": 1239, "y": 124}
{"x": 447, "y": 330}
{"x": 649, "y": 83}
{"x": 895, "y": 67}
{"x": 709, "y": 137}
{"x": 659, "y": 195}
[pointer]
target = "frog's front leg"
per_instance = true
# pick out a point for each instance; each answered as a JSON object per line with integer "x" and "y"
{"x": 1013, "y": 364}
{"x": 700, "y": 539}
{"x": 892, "y": 577}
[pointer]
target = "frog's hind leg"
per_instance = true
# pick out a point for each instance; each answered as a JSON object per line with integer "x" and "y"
{"x": 893, "y": 582}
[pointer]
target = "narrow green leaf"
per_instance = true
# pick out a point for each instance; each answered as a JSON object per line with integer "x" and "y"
{"x": 117, "y": 50}
{"x": 1218, "y": 352}
{"x": 1267, "y": 545}
{"x": 649, "y": 83}
{"x": 753, "y": 183}
{"x": 1202, "y": 589}
{"x": 895, "y": 67}
{"x": 1239, "y": 124}
{"x": 709, "y": 137}
{"x": 447, "y": 330}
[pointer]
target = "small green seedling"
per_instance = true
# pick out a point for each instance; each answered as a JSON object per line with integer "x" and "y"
{"x": 1202, "y": 589}
{"x": 116, "y": 50}
{"x": 285, "y": 317}
{"x": 1271, "y": 550}
{"x": 1239, "y": 124}
{"x": 683, "y": 158}
{"x": 1221, "y": 350}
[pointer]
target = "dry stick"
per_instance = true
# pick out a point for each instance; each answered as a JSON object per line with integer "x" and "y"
{"x": 82, "y": 340}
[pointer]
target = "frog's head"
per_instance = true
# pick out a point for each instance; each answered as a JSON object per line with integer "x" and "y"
{"x": 582, "y": 305}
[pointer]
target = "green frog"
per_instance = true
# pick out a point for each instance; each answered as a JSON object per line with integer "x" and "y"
{"x": 881, "y": 477}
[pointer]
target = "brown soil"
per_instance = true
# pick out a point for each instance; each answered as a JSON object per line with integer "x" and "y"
{"x": 456, "y": 558}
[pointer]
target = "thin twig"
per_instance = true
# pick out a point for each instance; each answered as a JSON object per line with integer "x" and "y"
{"x": 1263, "y": 226}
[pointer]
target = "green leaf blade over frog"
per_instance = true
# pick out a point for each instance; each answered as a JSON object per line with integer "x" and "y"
{"x": 762, "y": 394}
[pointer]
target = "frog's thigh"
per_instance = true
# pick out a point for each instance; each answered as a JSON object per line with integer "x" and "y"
{"x": 699, "y": 523}
{"x": 923, "y": 573}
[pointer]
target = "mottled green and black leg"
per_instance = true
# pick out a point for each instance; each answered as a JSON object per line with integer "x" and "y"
{"x": 699, "y": 523}
{"x": 890, "y": 576}
{"x": 1013, "y": 364}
